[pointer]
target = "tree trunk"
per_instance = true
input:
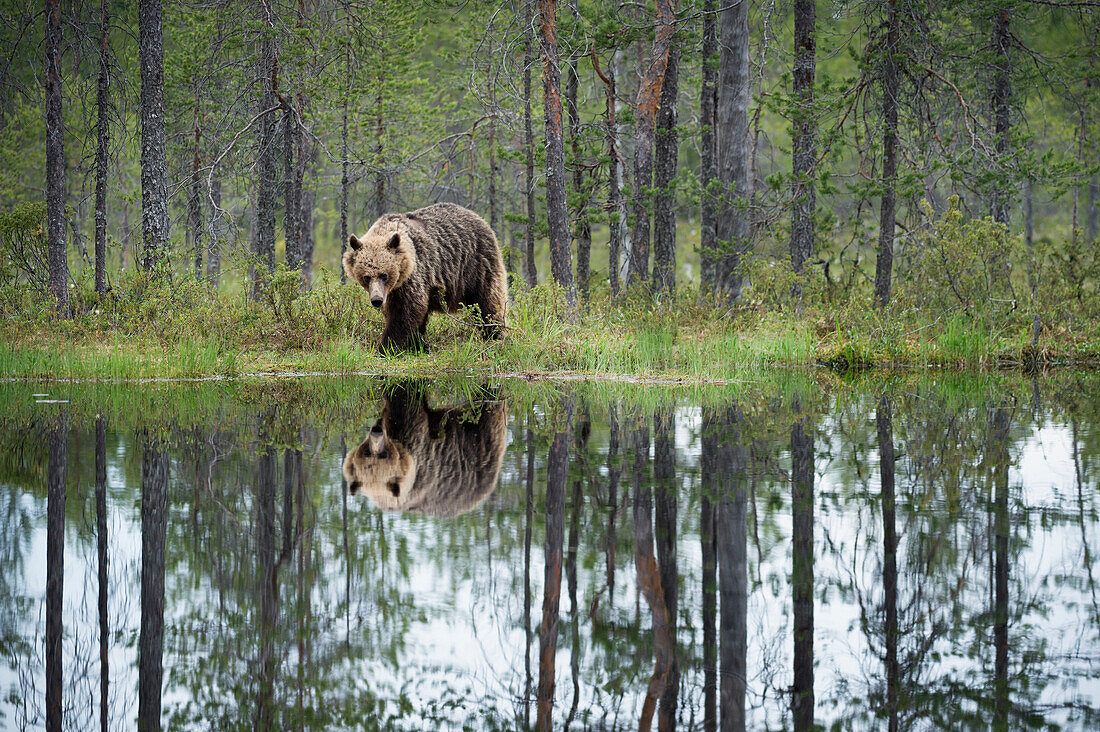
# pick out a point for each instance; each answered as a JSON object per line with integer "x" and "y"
{"x": 154, "y": 165}
{"x": 55, "y": 569}
{"x": 576, "y": 506}
{"x": 582, "y": 228}
{"x": 292, "y": 204}
{"x": 529, "y": 508}
{"x": 531, "y": 272}
{"x": 557, "y": 214}
{"x": 885, "y": 261}
{"x": 1002, "y": 40}
{"x": 344, "y": 145}
{"x": 263, "y": 232}
{"x": 708, "y": 475}
{"x": 732, "y": 462}
{"x": 1002, "y": 526}
{"x": 102, "y": 137}
{"x": 557, "y": 473}
{"x": 379, "y": 141}
{"x": 154, "y": 524}
{"x": 884, "y": 420}
{"x": 101, "y": 547}
{"x": 805, "y": 130}
{"x": 802, "y": 572}
{"x": 708, "y": 260}
{"x": 648, "y": 101}
{"x": 267, "y": 596}
{"x": 616, "y": 213}
{"x": 732, "y": 127}
{"x": 57, "y": 257}
{"x": 194, "y": 204}
{"x": 664, "y": 174}
{"x": 1092, "y": 214}
{"x": 214, "y": 240}
{"x": 664, "y": 469}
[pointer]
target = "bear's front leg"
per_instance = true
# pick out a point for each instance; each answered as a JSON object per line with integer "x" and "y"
{"x": 403, "y": 327}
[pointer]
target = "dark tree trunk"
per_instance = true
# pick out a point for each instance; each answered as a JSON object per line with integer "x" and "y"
{"x": 263, "y": 232}
{"x": 616, "y": 218}
{"x": 529, "y": 482}
{"x": 154, "y": 165}
{"x": 613, "y": 474}
{"x": 55, "y": 568}
{"x": 1092, "y": 215}
{"x": 664, "y": 468}
{"x": 582, "y": 227}
{"x": 708, "y": 475}
{"x": 884, "y": 264}
{"x": 531, "y": 272}
{"x": 1002, "y": 529}
{"x": 884, "y": 420}
{"x": 154, "y": 524}
{"x": 646, "y": 106}
{"x": 267, "y": 595}
{"x": 732, "y": 129}
{"x": 344, "y": 145}
{"x": 802, "y": 572}
{"x": 708, "y": 260}
{"x": 194, "y": 203}
{"x": 379, "y": 141}
{"x": 805, "y": 131}
{"x": 576, "y": 506}
{"x": 102, "y": 137}
{"x": 649, "y": 579}
{"x": 557, "y": 214}
{"x": 57, "y": 257}
{"x": 557, "y": 473}
{"x": 731, "y": 463}
{"x": 292, "y": 203}
{"x": 1002, "y": 40}
{"x": 664, "y": 174}
{"x": 101, "y": 546}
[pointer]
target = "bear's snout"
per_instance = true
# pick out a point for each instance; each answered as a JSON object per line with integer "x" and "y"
{"x": 376, "y": 302}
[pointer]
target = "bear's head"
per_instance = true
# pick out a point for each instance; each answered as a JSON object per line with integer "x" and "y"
{"x": 381, "y": 260}
{"x": 383, "y": 469}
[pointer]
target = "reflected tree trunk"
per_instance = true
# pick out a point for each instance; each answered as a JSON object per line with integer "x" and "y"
{"x": 101, "y": 546}
{"x": 649, "y": 579}
{"x": 1000, "y": 591}
{"x": 527, "y": 519}
{"x": 708, "y": 476}
{"x": 55, "y": 567}
{"x": 802, "y": 572}
{"x": 267, "y": 597}
{"x": 731, "y": 473}
{"x": 613, "y": 471}
{"x": 154, "y": 526}
{"x": 884, "y": 420}
{"x": 664, "y": 468}
{"x": 557, "y": 473}
{"x": 576, "y": 503}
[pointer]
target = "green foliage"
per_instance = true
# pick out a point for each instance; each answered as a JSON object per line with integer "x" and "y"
{"x": 22, "y": 253}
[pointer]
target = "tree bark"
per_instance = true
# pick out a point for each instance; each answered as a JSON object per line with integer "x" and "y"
{"x": 805, "y": 131}
{"x": 263, "y": 232}
{"x": 213, "y": 241}
{"x": 802, "y": 572}
{"x": 102, "y": 138}
{"x": 154, "y": 165}
{"x": 646, "y": 105}
{"x": 885, "y": 262}
{"x": 194, "y": 204}
{"x": 616, "y": 212}
{"x": 531, "y": 271}
{"x": 1002, "y": 529}
{"x": 557, "y": 213}
{"x": 57, "y": 257}
{"x": 292, "y": 203}
{"x": 101, "y": 547}
{"x": 379, "y": 140}
{"x": 557, "y": 473}
{"x": 664, "y": 174}
{"x": 582, "y": 228}
{"x": 708, "y": 260}
{"x": 344, "y": 145}
{"x": 154, "y": 523}
{"x": 1002, "y": 40}
{"x": 55, "y": 569}
{"x": 732, "y": 125}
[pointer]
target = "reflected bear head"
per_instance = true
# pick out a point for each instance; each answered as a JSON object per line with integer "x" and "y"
{"x": 439, "y": 462}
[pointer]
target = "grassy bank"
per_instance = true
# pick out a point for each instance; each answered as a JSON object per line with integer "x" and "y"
{"x": 182, "y": 331}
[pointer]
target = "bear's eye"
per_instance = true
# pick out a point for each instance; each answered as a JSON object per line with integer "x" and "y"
{"x": 395, "y": 488}
{"x": 383, "y": 276}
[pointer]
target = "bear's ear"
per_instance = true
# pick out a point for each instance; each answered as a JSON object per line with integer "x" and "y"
{"x": 395, "y": 242}
{"x": 354, "y": 243}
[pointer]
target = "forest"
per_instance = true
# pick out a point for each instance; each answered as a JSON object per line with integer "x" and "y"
{"x": 679, "y": 188}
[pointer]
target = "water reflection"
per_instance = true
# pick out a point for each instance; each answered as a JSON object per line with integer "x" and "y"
{"x": 906, "y": 556}
{"x": 439, "y": 462}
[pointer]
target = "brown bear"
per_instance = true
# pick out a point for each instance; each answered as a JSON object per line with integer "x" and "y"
{"x": 436, "y": 462}
{"x": 432, "y": 259}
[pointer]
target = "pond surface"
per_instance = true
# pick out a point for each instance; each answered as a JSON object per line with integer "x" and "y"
{"x": 792, "y": 550}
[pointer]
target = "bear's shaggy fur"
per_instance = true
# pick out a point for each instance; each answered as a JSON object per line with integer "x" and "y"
{"x": 430, "y": 260}
{"x": 435, "y": 462}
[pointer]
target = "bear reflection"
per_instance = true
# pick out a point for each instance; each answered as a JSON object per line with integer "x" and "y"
{"x": 441, "y": 462}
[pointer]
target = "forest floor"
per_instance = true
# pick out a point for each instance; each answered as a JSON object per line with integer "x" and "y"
{"x": 189, "y": 333}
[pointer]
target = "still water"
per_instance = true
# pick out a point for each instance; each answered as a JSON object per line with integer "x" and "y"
{"x": 904, "y": 552}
